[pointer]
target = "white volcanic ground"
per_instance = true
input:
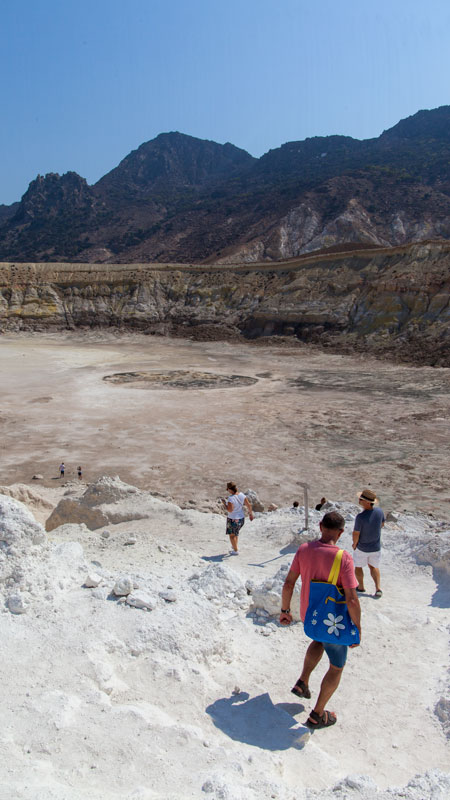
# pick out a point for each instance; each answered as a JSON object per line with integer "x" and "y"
{"x": 178, "y": 685}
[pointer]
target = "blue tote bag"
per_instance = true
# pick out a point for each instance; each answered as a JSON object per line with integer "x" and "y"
{"x": 327, "y": 618}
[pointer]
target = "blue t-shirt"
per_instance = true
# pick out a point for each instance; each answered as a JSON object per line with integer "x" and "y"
{"x": 369, "y": 523}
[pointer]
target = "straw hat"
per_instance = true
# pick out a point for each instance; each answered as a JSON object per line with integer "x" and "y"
{"x": 368, "y": 495}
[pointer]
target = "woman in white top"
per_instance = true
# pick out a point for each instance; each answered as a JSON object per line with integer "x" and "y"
{"x": 235, "y": 504}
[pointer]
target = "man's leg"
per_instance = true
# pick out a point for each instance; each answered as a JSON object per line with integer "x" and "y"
{"x": 328, "y": 687}
{"x": 234, "y": 542}
{"x": 338, "y": 656}
{"x": 375, "y": 572}
{"x": 312, "y": 657}
{"x": 360, "y": 578}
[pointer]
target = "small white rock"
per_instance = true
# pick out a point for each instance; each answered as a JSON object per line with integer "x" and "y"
{"x": 92, "y": 580}
{"x": 131, "y": 540}
{"x": 169, "y": 596}
{"x": 106, "y": 535}
{"x": 17, "y": 604}
{"x": 123, "y": 586}
{"x": 141, "y": 599}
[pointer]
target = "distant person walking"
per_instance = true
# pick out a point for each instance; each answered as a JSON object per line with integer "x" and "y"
{"x": 235, "y": 504}
{"x": 80, "y": 472}
{"x": 367, "y": 540}
{"x": 313, "y": 562}
{"x": 61, "y": 470}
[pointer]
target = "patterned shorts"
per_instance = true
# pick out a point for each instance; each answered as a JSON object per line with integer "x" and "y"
{"x": 234, "y": 526}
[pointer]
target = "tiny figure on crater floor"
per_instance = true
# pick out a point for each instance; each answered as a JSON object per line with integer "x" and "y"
{"x": 61, "y": 469}
{"x": 80, "y": 472}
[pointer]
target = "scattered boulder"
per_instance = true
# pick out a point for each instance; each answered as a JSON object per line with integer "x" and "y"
{"x": 123, "y": 586}
{"x": 391, "y": 516}
{"x": 69, "y": 510}
{"x": 18, "y": 528}
{"x": 169, "y": 596}
{"x": 254, "y": 500}
{"x": 106, "y": 501}
{"x": 219, "y": 584}
{"x": 17, "y": 604}
{"x": 267, "y": 596}
{"x": 272, "y": 507}
{"x": 442, "y": 711}
{"x": 140, "y": 599}
{"x": 92, "y": 580}
{"x": 37, "y": 478}
{"x": 108, "y": 490}
{"x": 436, "y": 553}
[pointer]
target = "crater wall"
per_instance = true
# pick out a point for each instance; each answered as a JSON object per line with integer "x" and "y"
{"x": 392, "y": 302}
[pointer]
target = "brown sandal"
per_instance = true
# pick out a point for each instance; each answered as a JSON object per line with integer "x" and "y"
{"x": 327, "y": 719}
{"x": 301, "y": 690}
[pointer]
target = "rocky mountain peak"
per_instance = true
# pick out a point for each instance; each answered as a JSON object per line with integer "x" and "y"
{"x": 173, "y": 161}
{"x": 50, "y": 193}
{"x": 434, "y": 124}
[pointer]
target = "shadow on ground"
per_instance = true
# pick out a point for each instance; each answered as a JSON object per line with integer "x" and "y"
{"x": 441, "y": 597}
{"x": 216, "y": 559}
{"x": 258, "y": 722}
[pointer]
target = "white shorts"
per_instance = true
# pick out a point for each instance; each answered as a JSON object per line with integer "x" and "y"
{"x": 361, "y": 559}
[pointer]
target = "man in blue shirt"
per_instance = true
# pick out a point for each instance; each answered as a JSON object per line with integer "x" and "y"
{"x": 367, "y": 540}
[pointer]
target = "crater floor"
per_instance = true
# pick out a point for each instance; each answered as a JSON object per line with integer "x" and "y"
{"x": 289, "y": 414}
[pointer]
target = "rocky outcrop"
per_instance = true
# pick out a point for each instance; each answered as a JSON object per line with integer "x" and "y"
{"x": 109, "y": 500}
{"x": 391, "y": 302}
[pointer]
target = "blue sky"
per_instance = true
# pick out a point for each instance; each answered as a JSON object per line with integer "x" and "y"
{"x": 85, "y": 82}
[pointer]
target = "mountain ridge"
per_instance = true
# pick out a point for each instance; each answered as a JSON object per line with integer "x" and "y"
{"x": 180, "y": 198}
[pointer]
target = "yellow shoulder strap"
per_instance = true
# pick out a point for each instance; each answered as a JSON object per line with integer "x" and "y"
{"x": 335, "y": 569}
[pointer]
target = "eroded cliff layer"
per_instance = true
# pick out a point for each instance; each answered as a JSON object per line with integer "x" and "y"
{"x": 391, "y": 302}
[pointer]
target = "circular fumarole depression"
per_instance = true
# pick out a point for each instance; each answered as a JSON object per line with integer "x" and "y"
{"x": 180, "y": 379}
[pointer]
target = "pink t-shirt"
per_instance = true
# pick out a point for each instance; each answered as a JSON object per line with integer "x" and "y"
{"x": 313, "y": 561}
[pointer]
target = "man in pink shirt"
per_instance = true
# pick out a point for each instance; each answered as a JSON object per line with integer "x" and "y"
{"x": 313, "y": 561}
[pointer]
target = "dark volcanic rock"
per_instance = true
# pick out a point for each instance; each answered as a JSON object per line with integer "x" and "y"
{"x": 182, "y": 199}
{"x": 171, "y": 163}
